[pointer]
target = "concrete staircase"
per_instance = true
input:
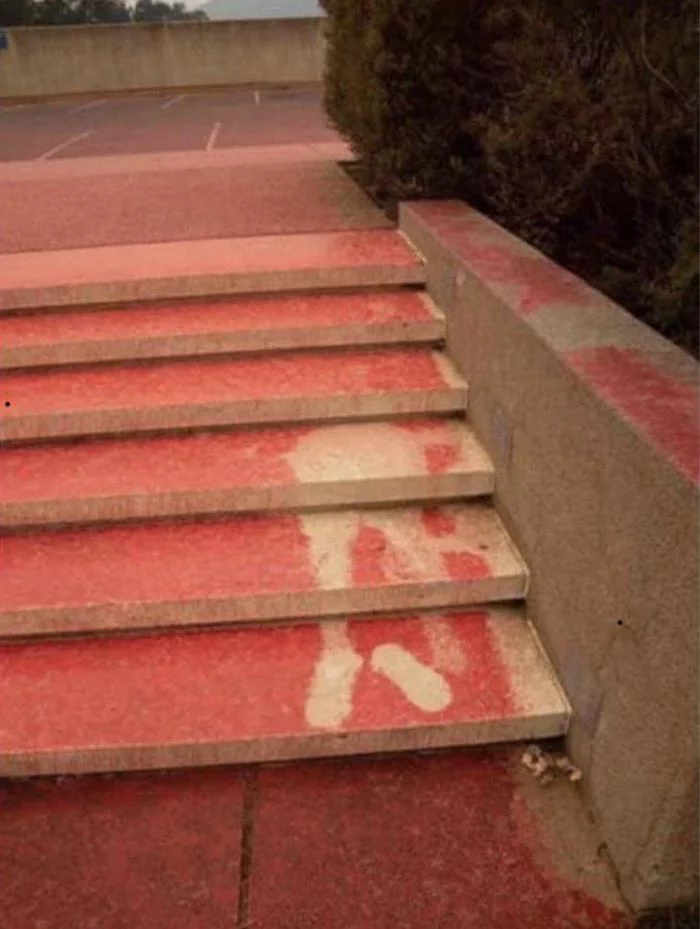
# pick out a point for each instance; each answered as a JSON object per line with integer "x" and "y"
{"x": 249, "y": 528}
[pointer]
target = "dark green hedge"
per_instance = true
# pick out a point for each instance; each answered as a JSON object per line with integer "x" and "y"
{"x": 572, "y": 122}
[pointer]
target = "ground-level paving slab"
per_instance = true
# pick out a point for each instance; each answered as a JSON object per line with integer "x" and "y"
{"x": 456, "y": 840}
{"x": 130, "y": 853}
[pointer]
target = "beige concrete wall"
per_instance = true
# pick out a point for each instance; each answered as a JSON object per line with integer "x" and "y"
{"x": 54, "y": 60}
{"x": 591, "y": 420}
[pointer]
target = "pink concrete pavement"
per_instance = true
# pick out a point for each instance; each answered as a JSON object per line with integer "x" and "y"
{"x": 167, "y": 203}
{"x": 452, "y": 841}
{"x": 160, "y": 168}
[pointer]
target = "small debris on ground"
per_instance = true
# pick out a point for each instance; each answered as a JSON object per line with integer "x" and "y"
{"x": 544, "y": 766}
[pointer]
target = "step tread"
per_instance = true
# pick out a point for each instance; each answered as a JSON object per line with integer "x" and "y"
{"x": 136, "y": 396}
{"x": 256, "y": 468}
{"x": 256, "y": 567}
{"x": 235, "y": 324}
{"x": 275, "y": 263}
{"x": 249, "y": 695}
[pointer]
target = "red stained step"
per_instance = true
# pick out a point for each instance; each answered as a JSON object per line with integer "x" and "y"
{"x": 251, "y": 695}
{"x": 256, "y": 568}
{"x": 242, "y": 324}
{"x": 281, "y": 387}
{"x": 262, "y": 469}
{"x": 262, "y": 264}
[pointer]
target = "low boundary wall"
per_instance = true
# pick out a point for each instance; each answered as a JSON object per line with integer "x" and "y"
{"x": 45, "y": 61}
{"x": 591, "y": 419}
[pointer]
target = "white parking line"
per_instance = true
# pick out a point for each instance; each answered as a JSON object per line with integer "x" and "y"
{"x": 13, "y": 108}
{"x": 172, "y": 102}
{"x": 213, "y": 136}
{"x": 59, "y": 148}
{"x": 88, "y": 106}
{"x": 257, "y": 97}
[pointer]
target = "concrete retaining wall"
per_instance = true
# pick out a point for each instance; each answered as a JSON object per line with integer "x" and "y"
{"x": 592, "y": 421}
{"x": 56, "y": 60}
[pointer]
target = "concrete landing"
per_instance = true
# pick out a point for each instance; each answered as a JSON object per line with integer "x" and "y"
{"x": 271, "y": 694}
{"x": 121, "y": 205}
{"x": 247, "y": 470}
{"x": 256, "y": 568}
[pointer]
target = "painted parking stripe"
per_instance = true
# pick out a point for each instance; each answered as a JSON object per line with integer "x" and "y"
{"x": 13, "y": 108}
{"x": 59, "y": 148}
{"x": 213, "y": 136}
{"x": 89, "y": 106}
{"x": 172, "y": 101}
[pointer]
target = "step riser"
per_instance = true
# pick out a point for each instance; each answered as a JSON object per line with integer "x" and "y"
{"x": 247, "y": 412}
{"x": 322, "y": 745}
{"x": 237, "y": 284}
{"x": 55, "y": 513}
{"x": 316, "y": 604}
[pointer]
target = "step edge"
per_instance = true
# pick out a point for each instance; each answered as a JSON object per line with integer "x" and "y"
{"x": 279, "y": 410}
{"x": 469, "y": 483}
{"x": 260, "y": 609}
{"x": 48, "y": 297}
{"x": 547, "y": 723}
{"x": 219, "y": 342}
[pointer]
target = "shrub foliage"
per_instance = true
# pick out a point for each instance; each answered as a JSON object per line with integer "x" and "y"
{"x": 572, "y": 122}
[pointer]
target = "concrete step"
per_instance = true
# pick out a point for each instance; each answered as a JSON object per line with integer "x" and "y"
{"x": 254, "y": 695}
{"x": 255, "y": 568}
{"x": 264, "y": 264}
{"x": 228, "y": 326}
{"x": 180, "y": 395}
{"x": 260, "y": 469}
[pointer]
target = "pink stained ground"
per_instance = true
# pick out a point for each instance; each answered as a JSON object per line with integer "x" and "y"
{"x": 168, "y": 384}
{"x": 134, "y": 853}
{"x": 238, "y": 314}
{"x": 454, "y": 841}
{"x": 201, "y": 202}
{"x": 664, "y": 408}
{"x": 209, "y": 461}
{"x": 457, "y": 840}
{"x": 250, "y": 255}
{"x": 230, "y": 686}
{"x": 249, "y": 555}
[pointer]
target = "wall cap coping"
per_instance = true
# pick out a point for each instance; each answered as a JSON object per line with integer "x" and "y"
{"x": 645, "y": 379}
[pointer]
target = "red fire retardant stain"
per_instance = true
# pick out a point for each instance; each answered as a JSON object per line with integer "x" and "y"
{"x": 438, "y": 523}
{"x": 663, "y": 408}
{"x": 440, "y": 458}
{"x": 481, "y": 690}
{"x": 175, "y": 562}
{"x": 229, "y": 686}
{"x": 368, "y": 555}
{"x": 412, "y": 843}
{"x": 171, "y": 383}
{"x": 233, "y": 315}
{"x": 419, "y": 426}
{"x": 159, "y": 464}
{"x": 465, "y": 564}
{"x": 158, "y": 851}
{"x": 256, "y": 254}
{"x": 500, "y": 259}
